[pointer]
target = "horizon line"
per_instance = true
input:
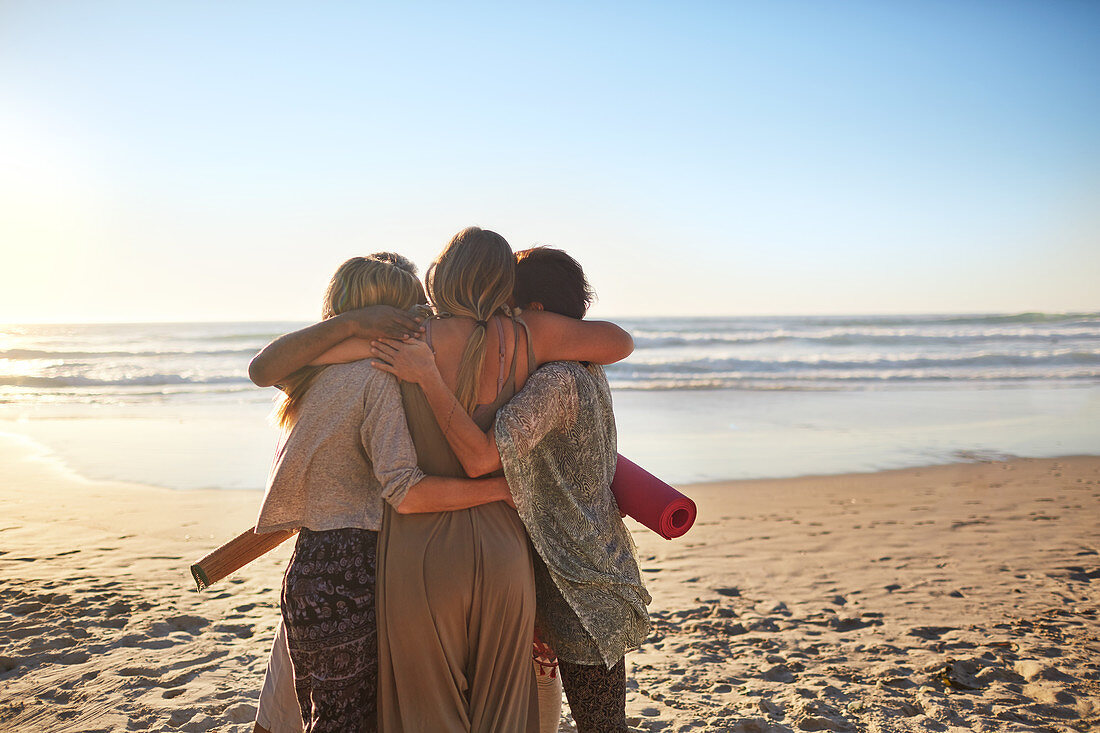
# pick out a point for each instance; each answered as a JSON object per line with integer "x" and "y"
{"x": 878, "y": 314}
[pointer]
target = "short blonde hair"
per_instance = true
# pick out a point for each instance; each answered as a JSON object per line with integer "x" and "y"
{"x": 384, "y": 278}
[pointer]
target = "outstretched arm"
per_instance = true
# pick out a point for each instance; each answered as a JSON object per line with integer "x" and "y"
{"x": 292, "y": 351}
{"x": 559, "y": 338}
{"x": 555, "y": 338}
{"x": 412, "y": 361}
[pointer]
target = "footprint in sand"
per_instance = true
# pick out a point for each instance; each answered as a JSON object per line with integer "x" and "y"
{"x": 932, "y": 633}
{"x": 778, "y": 673}
{"x": 816, "y": 715}
{"x": 190, "y": 624}
{"x": 25, "y": 608}
{"x": 138, "y": 672}
{"x": 241, "y": 713}
{"x": 241, "y": 631}
{"x": 851, "y": 623}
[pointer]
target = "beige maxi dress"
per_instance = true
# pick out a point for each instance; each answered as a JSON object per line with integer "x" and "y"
{"x": 456, "y": 601}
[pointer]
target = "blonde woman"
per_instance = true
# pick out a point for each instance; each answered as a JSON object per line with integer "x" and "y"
{"x": 556, "y": 442}
{"x": 456, "y": 591}
{"x": 346, "y": 454}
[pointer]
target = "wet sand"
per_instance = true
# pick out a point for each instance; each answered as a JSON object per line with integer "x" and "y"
{"x": 960, "y": 597}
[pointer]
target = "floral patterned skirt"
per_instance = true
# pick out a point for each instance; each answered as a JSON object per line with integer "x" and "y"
{"x": 332, "y": 631}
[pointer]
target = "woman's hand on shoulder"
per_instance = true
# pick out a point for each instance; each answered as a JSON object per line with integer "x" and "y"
{"x": 559, "y": 338}
{"x": 410, "y": 360}
{"x": 382, "y": 321}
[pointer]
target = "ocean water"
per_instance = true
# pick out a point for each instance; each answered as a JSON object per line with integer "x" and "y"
{"x": 700, "y": 398}
{"x": 866, "y": 352}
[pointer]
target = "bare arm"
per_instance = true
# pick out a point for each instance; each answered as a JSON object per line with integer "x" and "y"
{"x": 294, "y": 350}
{"x": 384, "y": 434}
{"x": 352, "y": 349}
{"x": 555, "y": 338}
{"x": 444, "y": 494}
{"x": 558, "y": 338}
{"x": 412, "y": 361}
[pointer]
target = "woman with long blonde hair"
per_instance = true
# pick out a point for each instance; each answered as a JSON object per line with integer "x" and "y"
{"x": 345, "y": 454}
{"x": 456, "y": 590}
{"x": 558, "y": 449}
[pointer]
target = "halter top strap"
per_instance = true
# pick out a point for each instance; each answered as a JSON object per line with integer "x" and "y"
{"x": 500, "y": 340}
{"x": 503, "y": 353}
{"x": 506, "y": 380}
{"x": 506, "y": 385}
{"x": 530, "y": 346}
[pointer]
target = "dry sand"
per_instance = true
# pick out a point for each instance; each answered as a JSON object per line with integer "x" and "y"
{"x": 961, "y": 597}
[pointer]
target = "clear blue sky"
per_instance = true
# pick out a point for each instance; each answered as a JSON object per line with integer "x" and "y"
{"x": 213, "y": 160}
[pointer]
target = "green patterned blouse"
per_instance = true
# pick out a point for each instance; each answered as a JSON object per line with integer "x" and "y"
{"x": 557, "y": 443}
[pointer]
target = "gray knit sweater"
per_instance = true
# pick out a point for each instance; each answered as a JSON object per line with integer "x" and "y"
{"x": 348, "y": 452}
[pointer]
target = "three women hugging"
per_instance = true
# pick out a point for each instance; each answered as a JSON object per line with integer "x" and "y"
{"x": 415, "y": 595}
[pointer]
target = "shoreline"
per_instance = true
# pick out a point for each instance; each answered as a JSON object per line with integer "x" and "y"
{"x": 867, "y": 601}
{"x": 885, "y": 472}
{"x": 683, "y": 437}
{"x": 44, "y": 452}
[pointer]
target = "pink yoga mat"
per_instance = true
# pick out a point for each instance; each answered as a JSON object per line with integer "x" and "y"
{"x": 651, "y": 501}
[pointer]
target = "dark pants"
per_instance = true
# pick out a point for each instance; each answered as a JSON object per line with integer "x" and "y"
{"x": 597, "y": 696}
{"x": 331, "y": 629}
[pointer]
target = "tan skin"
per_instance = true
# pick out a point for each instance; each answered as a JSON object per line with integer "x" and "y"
{"x": 347, "y": 337}
{"x": 555, "y": 338}
{"x": 413, "y": 361}
{"x": 376, "y": 321}
{"x": 433, "y": 493}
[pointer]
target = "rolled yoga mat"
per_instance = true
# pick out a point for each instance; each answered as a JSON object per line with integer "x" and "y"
{"x": 639, "y": 493}
{"x": 235, "y": 554}
{"x": 651, "y": 501}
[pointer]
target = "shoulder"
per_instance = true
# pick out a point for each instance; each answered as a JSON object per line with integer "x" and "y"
{"x": 543, "y": 320}
{"x": 558, "y": 371}
{"x": 355, "y": 376}
{"x": 352, "y": 371}
{"x": 555, "y": 380}
{"x": 569, "y": 370}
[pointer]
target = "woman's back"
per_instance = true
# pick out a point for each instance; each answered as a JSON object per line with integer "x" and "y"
{"x": 502, "y": 375}
{"x": 457, "y": 599}
{"x": 448, "y": 337}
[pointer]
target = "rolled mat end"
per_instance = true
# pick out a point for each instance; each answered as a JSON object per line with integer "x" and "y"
{"x": 678, "y": 518}
{"x": 200, "y": 577}
{"x": 651, "y": 501}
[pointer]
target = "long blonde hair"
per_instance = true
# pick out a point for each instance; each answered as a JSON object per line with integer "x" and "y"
{"x": 473, "y": 277}
{"x": 383, "y": 278}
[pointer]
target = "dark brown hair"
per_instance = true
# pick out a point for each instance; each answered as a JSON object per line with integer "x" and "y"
{"x": 551, "y": 277}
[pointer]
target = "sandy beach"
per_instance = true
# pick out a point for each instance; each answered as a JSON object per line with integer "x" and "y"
{"x": 958, "y": 597}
